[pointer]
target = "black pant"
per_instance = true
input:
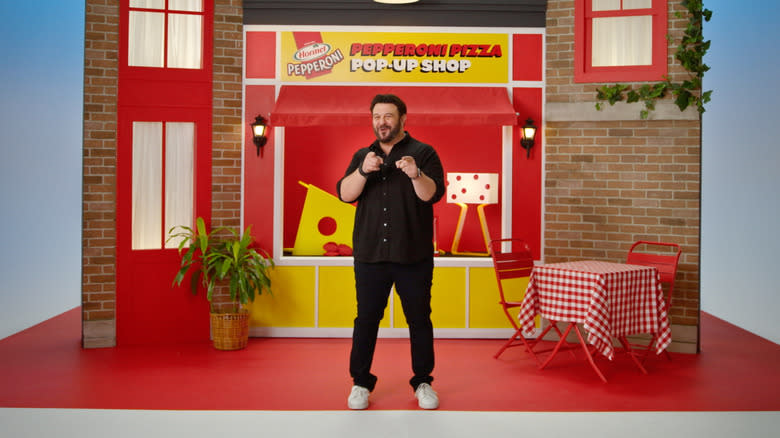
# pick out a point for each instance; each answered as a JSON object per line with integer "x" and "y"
{"x": 373, "y": 282}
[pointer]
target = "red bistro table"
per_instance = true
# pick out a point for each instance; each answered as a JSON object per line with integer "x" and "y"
{"x": 609, "y": 299}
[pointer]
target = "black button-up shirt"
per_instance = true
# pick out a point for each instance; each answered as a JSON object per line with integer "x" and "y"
{"x": 392, "y": 224}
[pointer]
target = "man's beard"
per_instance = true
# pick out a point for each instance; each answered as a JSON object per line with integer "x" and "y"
{"x": 393, "y": 133}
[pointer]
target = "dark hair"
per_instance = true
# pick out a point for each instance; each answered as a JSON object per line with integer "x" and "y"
{"x": 389, "y": 98}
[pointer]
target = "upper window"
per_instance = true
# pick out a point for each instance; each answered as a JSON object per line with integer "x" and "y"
{"x": 620, "y": 40}
{"x": 165, "y": 33}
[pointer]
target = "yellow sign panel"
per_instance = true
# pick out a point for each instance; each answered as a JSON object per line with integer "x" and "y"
{"x": 394, "y": 57}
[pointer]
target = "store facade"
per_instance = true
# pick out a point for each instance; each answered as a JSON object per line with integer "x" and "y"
{"x": 471, "y": 75}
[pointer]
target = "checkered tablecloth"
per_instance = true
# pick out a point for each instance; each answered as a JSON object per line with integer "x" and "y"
{"x": 609, "y": 299}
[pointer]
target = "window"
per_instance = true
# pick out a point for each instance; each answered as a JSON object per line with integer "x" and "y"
{"x": 162, "y": 181}
{"x": 620, "y": 40}
{"x": 165, "y": 33}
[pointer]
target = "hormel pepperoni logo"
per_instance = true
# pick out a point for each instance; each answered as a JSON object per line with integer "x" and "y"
{"x": 311, "y": 52}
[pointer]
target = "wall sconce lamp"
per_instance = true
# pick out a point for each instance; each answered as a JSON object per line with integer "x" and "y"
{"x": 395, "y": 2}
{"x": 259, "y": 129}
{"x": 528, "y": 133}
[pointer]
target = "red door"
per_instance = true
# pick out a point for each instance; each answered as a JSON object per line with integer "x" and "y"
{"x": 149, "y": 308}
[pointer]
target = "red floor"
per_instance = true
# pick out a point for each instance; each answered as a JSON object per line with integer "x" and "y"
{"x": 44, "y": 367}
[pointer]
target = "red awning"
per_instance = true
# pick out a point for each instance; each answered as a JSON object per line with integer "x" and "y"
{"x": 307, "y": 105}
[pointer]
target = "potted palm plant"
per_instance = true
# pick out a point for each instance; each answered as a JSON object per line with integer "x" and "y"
{"x": 223, "y": 258}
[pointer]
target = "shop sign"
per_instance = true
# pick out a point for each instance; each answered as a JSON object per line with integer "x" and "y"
{"x": 394, "y": 57}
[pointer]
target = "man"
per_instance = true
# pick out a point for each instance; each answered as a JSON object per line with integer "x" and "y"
{"x": 395, "y": 182}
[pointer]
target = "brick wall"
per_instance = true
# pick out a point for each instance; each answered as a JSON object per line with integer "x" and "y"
{"x": 98, "y": 279}
{"x": 227, "y": 121}
{"x": 612, "y": 179}
{"x": 227, "y": 126}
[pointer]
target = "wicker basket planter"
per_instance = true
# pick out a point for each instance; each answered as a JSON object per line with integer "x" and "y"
{"x": 230, "y": 331}
{"x": 223, "y": 260}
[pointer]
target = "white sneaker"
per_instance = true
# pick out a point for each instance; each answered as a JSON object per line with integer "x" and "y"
{"x": 358, "y": 397}
{"x": 426, "y": 396}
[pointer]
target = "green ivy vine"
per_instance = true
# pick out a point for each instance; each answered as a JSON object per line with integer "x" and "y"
{"x": 690, "y": 54}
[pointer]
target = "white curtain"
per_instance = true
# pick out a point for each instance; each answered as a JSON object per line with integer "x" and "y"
{"x": 620, "y": 41}
{"x": 614, "y": 5}
{"x": 147, "y": 37}
{"x": 147, "y": 4}
{"x": 146, "y": 186}
{"x": 606, "y": 5}
{"x": 186, "y": 5}
{"x": 184, "y": 41}
{"x": 179, "y": 176}
{"x": 174, "y": 5}
{"x": 637, "y": 4}
{"x": 146, "y": 40}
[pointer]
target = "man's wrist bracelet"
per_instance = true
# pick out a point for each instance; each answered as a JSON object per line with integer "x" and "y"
{"x": 360, "y": 171}
{"x": 419, "y": 173}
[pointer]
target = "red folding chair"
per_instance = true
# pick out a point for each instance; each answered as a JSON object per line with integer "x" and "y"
{"x": 665, "y": 257}
{"x": 514, "y": 263}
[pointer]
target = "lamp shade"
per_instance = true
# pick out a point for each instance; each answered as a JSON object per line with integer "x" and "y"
{"x": 529, "y": 130}
{"x": 258, "y": 130}
{"x": 472, "y": 188}
{"x": 259, "y": 126}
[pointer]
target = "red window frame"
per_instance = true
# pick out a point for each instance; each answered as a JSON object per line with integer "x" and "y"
{"x": 156, "y": 73}
{"x": 585, "y": 72}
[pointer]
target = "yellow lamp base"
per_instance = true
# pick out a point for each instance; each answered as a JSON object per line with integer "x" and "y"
{"x": 459, "y": 231}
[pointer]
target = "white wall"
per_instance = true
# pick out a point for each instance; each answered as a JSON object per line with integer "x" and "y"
{"x": 42, "y": 49}
{"x": 741, "y": 167}
{"x": 41, "y": 46}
